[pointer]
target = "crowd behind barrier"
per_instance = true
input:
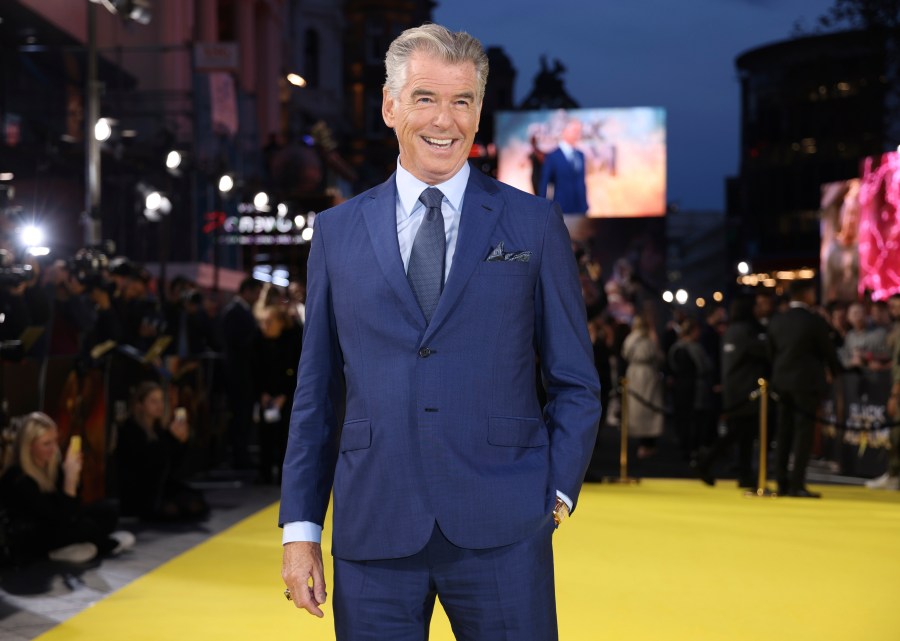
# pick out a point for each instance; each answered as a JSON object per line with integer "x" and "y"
{"x": 696, "y": 392}
{"x": 186, "y": 380}
{"x": 153, "y": 382}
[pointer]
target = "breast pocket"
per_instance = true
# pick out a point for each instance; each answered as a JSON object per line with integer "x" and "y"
{"x": 504, "y": 268}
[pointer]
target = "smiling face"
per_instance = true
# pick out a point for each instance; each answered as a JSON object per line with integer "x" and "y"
{"x": 435, "y": 117}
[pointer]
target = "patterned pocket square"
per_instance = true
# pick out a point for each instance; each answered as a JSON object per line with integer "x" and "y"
{"x": 497, "y": 254}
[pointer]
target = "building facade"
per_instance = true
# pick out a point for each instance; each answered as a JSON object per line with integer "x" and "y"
{"x": 205, "y": 77}
{"x": 811, "y": 109}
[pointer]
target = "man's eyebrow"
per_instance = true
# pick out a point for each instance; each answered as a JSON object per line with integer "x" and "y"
{"x": 418, "y": 93}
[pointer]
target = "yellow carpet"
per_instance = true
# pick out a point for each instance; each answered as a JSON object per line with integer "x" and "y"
{"x": 661, "y": 561}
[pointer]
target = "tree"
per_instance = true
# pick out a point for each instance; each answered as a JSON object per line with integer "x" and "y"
{"x": 875, "y": 15}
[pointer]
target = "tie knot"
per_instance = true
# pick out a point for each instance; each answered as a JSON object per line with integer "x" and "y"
{"x": 431, "y": 198}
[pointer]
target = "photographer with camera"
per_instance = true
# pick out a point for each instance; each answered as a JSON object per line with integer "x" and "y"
{"x": 14, "y": 313}
{"x": 85, "y": 292}
{"x": 138, "y": 309}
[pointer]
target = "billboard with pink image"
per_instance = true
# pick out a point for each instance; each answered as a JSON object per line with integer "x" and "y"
{"x": 879, "y": 226}
{"x": 598, "y": 162}
{"x": 839, "y": 228}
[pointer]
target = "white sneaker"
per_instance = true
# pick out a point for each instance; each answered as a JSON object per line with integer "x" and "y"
{"x": 75, "y": 553}
{"x": 884, "y": 482}
{"x": 124, "y": 539}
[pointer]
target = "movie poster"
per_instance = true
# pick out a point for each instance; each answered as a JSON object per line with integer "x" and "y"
{"x": 594, "y": 162}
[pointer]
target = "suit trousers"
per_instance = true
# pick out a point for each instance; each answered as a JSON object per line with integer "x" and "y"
{"x": 495, "y": 594}
{"x": 742, "y": 430}
{"x": 796, "y": 424}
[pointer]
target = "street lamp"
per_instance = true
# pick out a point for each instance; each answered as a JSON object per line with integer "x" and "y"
{"x": 681, "y": 296}
{"x": 138, "y": 11}
{"x": 226, "y": 183}
{"x": 296, "y": 79}
{"x": 103, "y": 130}
{"x": 261, "y": 201}
{"x": 173, "y": 160}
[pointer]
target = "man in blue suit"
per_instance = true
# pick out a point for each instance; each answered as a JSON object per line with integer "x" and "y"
{"x": 429, "y": 298}
{"x": 564, "y": 169}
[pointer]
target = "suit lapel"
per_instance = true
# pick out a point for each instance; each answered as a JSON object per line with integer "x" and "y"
{"x": 480, "y": 213}
{"x": 379, "y": 212}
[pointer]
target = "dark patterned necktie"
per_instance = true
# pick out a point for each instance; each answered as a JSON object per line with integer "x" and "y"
{"x": 425, "y": 271}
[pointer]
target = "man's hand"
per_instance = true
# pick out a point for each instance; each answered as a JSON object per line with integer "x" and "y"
{"x": 301, "y": 561}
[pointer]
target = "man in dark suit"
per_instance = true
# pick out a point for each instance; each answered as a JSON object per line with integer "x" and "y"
{"x": 564, "y": 169}
{"x": 238, "y": 328}
{"x": 428, "y": 298}
{"x": 801, "y": 351}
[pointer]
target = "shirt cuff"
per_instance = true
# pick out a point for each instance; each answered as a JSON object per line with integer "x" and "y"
{"x": 302, "y": 531}
{"x": 565, "y": 499}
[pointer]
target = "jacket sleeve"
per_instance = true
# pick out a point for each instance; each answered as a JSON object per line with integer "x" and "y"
{"x": 318, "y": 400}
{"x": 572, "y": 411}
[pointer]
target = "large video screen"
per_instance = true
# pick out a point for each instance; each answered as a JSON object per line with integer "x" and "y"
{"x": 860, "y": 230}
{"x": 839, "y": 252}
{"x": 594, "y": 162}
{"x": 879, "y": 226}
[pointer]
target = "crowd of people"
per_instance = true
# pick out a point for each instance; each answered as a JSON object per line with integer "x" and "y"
{"x": 695, "y": 376}
{"x": 196, "y": 380}
{"x": 701, "y": 372}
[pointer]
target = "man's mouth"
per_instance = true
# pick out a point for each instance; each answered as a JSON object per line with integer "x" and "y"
{"x": 438, "y": 143}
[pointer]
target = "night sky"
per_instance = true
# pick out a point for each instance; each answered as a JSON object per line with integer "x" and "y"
{"x": 676, "y": 54}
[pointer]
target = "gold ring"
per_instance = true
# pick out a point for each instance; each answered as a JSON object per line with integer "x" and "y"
{"x": 287, "y": 594}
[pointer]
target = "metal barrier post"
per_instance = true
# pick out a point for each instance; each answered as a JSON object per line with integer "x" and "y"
{"x": 761, "y": 485}
{"x": 623, "y": 442}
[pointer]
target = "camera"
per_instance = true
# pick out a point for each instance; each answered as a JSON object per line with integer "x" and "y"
{"x": 89, "y": 267}
{"x": 12, "y": 274}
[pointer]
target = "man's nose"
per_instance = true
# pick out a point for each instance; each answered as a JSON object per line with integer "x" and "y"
{"x": 442, "y": 118}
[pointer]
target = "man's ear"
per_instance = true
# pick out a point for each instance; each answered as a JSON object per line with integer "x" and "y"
{"x": 388, "y": 107}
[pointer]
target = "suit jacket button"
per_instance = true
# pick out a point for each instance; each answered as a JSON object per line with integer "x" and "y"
{"x": 425, "y": 352}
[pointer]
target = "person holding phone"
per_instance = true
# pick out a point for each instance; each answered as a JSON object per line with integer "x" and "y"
{"x": 40, "y": 489}
{"x": 149, "y": 456}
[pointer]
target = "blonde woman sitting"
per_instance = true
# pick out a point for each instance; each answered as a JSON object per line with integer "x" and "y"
{"x": 40, "y": 490}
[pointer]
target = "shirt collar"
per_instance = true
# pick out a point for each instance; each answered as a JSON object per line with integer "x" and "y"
{"x": 409, "y": 188}
{"x": 566, "y": 148}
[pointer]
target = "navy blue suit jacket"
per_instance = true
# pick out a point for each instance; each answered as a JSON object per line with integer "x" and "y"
{"x": 569, "y": 189}
{"x": 411, "y": 423}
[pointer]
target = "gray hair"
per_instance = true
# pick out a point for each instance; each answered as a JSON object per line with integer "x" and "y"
{"x": 433, "y": 39}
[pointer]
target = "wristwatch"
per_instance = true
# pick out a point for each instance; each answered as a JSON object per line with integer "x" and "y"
{"x": 560, "y": 511}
